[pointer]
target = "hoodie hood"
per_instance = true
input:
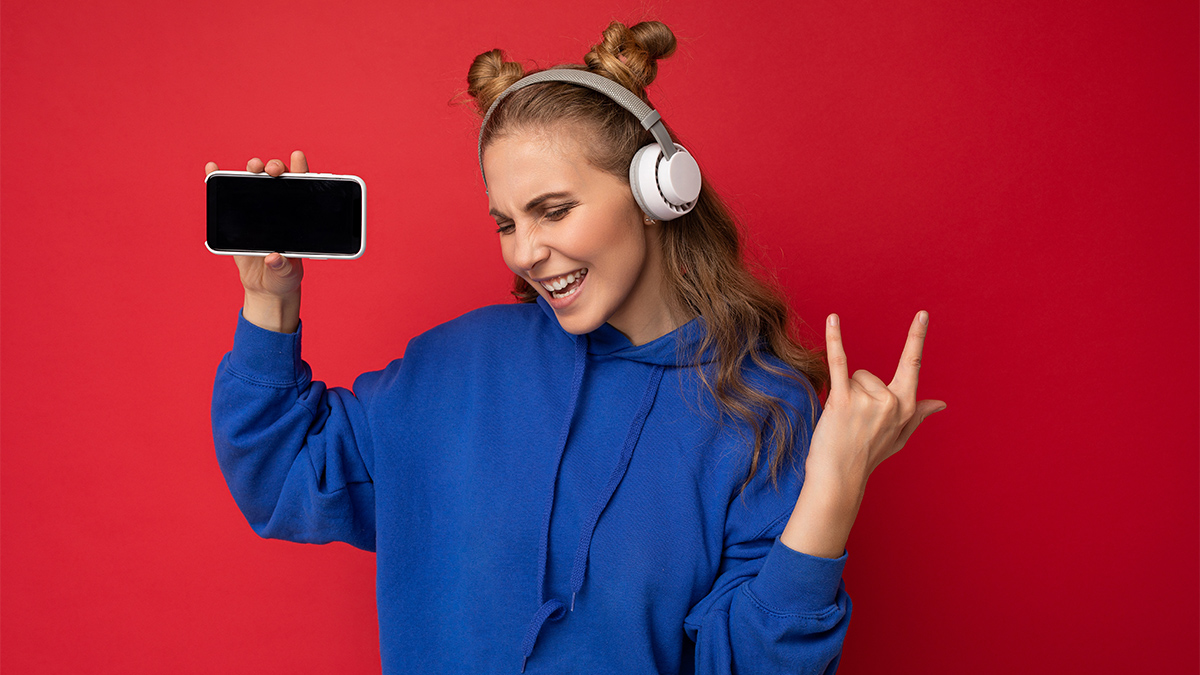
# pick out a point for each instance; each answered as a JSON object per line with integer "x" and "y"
{"x": 673, "y": 349}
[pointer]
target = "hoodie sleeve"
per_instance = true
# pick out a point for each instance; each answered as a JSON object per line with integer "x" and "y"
{"x": 297, "y": 456}
{"x": 771, "y": 610}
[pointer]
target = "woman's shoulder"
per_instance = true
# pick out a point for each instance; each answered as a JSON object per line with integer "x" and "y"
{"x": 488, "y": 340}
{"x": 486, "y": 328}
{"x": 770, "y": 375}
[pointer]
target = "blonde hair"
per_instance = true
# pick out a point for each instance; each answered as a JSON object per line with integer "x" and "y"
{"x": 746, "y": 317}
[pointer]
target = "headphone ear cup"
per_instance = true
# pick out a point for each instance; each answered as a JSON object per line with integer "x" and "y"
{"x": 640, "y": 179}
{"x": 650, "y": 173}
{"x": 679, "y": 178}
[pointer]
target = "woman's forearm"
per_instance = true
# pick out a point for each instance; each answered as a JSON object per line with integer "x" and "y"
{"x": 820, "y": 524}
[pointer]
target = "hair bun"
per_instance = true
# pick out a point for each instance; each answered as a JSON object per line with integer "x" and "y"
{"x": 489, "y": 76}
{"x": 629, "y": 55}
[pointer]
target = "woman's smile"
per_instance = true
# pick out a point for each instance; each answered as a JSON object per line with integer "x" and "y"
{"x": 563, "y": 287}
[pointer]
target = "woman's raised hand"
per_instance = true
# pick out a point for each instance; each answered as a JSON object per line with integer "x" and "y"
{"x": 865, "y": 421}
{"x": 272, "y": 283}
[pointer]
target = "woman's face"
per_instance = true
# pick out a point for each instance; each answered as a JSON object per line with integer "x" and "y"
{"x": 574, "y": 232}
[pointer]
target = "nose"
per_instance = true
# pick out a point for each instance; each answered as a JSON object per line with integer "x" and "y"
{"x": 528, "y": 246}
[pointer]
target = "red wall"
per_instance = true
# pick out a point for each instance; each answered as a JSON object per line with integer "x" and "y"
{"x": 1027, "y": 171}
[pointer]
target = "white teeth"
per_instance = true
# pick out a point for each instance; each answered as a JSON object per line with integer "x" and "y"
{"x": 559, "y": 283}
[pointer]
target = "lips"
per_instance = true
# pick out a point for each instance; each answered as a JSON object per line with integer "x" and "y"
{"x": 564, "y": 285}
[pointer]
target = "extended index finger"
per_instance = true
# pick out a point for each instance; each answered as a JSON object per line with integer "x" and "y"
{"x": 905, "y": 381}
{"x": 839, "y": 380}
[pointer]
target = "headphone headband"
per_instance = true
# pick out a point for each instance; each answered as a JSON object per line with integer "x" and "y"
{"x": 649, "y": 117}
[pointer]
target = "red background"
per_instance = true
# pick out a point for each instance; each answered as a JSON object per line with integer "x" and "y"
{"x": 1026, "y": 170}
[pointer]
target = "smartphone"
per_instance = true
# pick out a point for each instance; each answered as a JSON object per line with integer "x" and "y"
{"x": 301, "y": 215}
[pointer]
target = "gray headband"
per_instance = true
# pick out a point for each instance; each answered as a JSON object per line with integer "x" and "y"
{"x": 649, "y": 118}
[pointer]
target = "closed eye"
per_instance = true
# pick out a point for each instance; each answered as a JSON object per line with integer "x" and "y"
{"x": 559, "y": 213}
{"x": 507, "y": 226}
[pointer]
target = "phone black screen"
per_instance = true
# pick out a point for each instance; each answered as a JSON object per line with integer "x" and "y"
{"x": 286, "y": 214}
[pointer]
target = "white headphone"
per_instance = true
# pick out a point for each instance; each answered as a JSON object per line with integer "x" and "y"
{"x": 664, "y": 177}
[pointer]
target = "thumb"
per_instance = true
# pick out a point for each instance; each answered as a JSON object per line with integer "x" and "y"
{"x": 924, "y": 409}
{"x": 280, "y": 265}
{"x": 927, "y": 408}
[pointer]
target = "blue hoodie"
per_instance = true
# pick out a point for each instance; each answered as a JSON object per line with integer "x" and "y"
{"x": 537, "y": 501}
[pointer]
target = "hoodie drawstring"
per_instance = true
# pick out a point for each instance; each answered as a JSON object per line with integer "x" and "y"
{"x": 553, "y": 609}
{"x": 631, "y": 439}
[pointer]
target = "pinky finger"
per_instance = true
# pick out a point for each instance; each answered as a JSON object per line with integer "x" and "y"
{"x": 209, "y": 168}
{"x": 836, "y": 355}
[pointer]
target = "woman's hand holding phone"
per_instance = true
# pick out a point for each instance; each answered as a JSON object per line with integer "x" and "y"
{"x": 272, "y": 283}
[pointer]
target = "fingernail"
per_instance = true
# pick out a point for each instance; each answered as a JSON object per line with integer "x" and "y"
{"x": 276, "y": 264}
{"x": 833, "y": 319}
{"x": 923, "y": 317}
{"x": 939, "y": 410}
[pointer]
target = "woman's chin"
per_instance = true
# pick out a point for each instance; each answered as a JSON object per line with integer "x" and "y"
{"x": 578, "y": 325}
{"x": 576, "y": 320}
{"x": 572, "y": 310}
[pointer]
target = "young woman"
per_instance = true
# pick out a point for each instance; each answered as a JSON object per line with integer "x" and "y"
{"x": 622, "y": 473}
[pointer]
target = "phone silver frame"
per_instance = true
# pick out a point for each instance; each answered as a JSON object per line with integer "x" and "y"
{"x": 314, "y": 256}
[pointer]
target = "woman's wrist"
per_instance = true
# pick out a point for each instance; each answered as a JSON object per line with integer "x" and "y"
{"x": 825, "y": 511}
{"x": 272, "y": 312}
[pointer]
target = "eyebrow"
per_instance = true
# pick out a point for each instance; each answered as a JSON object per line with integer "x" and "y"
{"x": 533, "y": 203}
